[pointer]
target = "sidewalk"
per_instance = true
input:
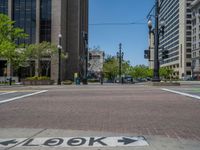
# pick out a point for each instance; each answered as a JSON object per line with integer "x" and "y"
{"x": 155, "y": 142}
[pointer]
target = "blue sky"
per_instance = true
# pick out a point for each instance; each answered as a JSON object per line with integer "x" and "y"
{"x": 133, "y": 37}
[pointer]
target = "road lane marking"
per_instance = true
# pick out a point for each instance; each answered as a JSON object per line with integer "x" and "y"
{"x": 8, "y": 93}
{"x": 55, "y": 142}
{"x": 181, "y": 93}
{"x": 4, "y": 91}
{"x": 23, "y": 96}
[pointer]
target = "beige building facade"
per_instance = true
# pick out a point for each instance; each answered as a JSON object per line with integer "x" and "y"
{"x": 177, "y": 37}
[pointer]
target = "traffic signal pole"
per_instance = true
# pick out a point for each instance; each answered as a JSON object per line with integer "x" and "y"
{"x": 156, "y": 76}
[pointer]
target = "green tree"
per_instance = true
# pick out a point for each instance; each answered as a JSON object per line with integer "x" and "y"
{"x": 166, "y": 73}
{"x": 110, "y": 68}
{"x": 9, "y": 35}
{"x": 37, "y": 52}
{"x": 140, "y": 71}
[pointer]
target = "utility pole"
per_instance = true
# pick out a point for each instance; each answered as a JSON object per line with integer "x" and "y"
{"x": 85, "y": 37}
{"x": 120, "y": 56}
{"x": 59, "y": 59}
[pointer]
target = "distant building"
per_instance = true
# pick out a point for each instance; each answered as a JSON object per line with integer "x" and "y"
{"x": 95, "y": 63}
{"x": 43, "y": 20}
{"x": 195, "y": 6}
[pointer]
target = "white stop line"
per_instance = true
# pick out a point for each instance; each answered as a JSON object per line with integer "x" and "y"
{"x": 23, "y": 96}
{"x": 74, "y": 142}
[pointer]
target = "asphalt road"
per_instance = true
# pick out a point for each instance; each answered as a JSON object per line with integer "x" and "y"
{"x": 123, "y": 109}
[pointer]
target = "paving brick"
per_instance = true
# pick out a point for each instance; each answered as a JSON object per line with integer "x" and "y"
{"x": 137, "y": 110}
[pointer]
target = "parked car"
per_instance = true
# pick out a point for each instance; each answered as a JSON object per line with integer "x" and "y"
{"x": 126, "y": 79}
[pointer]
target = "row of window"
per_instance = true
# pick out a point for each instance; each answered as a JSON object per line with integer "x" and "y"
{"x": 170, "y": 60}
{"x": 170, "y": 13}
{"x": 171, "y": 32}
{"x": 4, "y": 6}
{"x": 171, "y": 39}
{"x": 168, "y": 7}
{"x": 24, "y": 15}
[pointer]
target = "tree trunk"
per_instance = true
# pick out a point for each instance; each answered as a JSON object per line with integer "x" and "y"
{"x": 37, "y": 67}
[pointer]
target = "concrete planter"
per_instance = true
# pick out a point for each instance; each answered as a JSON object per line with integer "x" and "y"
{"x": 37, "y": 82}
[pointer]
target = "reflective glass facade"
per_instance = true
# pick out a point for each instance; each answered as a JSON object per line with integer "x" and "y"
{"x": 4, "y": 6}
{"x": 45, "y": 20}
{"x": 24, "y": 15}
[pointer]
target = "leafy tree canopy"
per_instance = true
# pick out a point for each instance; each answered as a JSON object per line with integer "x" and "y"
{"x": 9, "y": 34}
{"x": 111, "y": 67}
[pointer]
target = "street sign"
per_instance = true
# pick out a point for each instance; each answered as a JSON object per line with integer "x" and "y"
{"x": 74, "y": 142}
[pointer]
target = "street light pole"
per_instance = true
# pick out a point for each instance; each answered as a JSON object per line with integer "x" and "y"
{"x": 156, "y": 76}
{"x": 59, "y": 59}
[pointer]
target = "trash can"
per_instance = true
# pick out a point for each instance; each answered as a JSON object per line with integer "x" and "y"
{"x": 77, "y": 81}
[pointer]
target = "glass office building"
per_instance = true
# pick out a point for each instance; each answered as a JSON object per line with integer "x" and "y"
{"x": 24, "y": 15}
{"x": 4, "y": 6}
{"x": 43, "y": 20}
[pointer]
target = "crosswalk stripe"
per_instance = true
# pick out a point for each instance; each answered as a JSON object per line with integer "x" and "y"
{"x": 23, "y": 96}
{"x": 181, "y": 93}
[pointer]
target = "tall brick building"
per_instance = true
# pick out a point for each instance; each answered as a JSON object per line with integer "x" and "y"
{"x": 43, "y": 20}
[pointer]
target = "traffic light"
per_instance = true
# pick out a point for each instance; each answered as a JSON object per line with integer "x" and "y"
{"x": 165, "y": 54}
{"x": 90, "y": 56}
{"x": 147, "y": 54}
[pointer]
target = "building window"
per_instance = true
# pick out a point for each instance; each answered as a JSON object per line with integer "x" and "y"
{"x": 188, "y": 64}
{"x": 188, "y": 39}
{"x": 194, "y": 54}
{"x": 194, "y": 46}
{"x": 188, "y": 73}
{"x": 188, "y": 50}
{"x": 4, "y": 6}
{"x": 188, "y": 56}
{"x": 45, "y": 20}
{"x": 189, "y": 28}
{"x": 24, "y": 15}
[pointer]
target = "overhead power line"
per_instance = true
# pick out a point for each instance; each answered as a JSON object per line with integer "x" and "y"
{"x": 116, "y": 24}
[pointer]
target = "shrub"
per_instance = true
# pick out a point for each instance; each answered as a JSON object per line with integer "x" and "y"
{"x": 67, "y": 82}
{"x": 38, "y": 78}
{"x": 93, "y": 80}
